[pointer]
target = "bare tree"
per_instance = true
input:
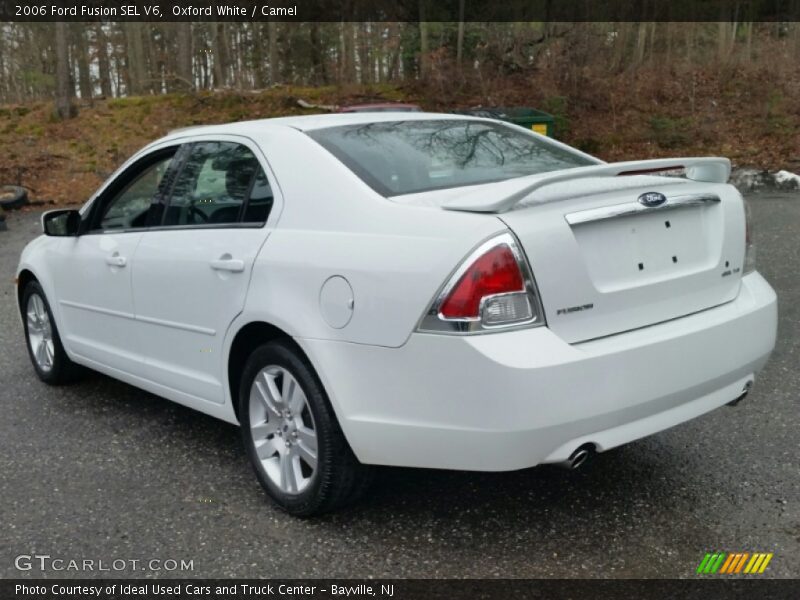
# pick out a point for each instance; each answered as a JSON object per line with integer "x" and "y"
{"x": 272, "y": 32}
{"x": 220, "y": 55}
{"x": 184, "y": 41}
{"x": 103, "y": 64}
{"x": 117, "y": 59}
{"x": 135, "y": 58}
{"x": 460, "y": 35}
{"x": 80, "y": 52}
{"x": 65, "y": 107}
{"x": 423, "y": 41}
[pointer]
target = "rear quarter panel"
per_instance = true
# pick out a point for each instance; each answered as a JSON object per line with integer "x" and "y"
{"x": 395, "y": 257}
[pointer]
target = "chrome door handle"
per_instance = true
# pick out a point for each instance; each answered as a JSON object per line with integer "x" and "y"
{"x": 228, "y": 264}
{"x": 115, "y": 260}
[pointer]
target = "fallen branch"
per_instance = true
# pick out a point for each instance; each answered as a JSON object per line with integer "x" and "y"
{"x": 329, "y": 107}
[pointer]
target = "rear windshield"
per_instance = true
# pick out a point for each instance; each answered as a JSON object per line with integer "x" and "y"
{"x": 405, "y": 157}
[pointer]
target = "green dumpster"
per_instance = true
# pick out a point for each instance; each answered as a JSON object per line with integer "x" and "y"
{"x": 529, "y": 118}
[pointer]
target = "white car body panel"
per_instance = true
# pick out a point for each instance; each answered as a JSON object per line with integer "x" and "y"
{"x": 633, "y": 272}
{"x": 517, "y": 399}
{"x": 181, "y": 328}
{"x": 95, "y": 298}
{"x": 668, "y": 343}
{"x": 394, "y": 257}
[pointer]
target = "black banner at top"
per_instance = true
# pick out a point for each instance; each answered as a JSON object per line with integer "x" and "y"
{"x": 400, "y": 10}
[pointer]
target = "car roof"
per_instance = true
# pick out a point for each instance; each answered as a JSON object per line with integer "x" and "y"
{"x": 312, "y": 122}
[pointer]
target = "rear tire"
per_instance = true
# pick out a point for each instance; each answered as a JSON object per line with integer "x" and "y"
{"x": 50, "y": 361}
{"x": 292, "y": 437}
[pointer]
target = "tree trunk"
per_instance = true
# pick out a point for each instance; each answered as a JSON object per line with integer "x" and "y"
{"x": 103, "y": 65}
{"x": 364, "y": 54}
{"x": 423, "y": 41}
{"x": 318, "y": 75}
{"x": 65, "y": 108}
{"x": 749, "y": 30}
{"x": 136, "y": 59}
{"x": 81, "y": 54}
{"x": 151, "y": 75}
{"x": 220, "y": 56}
{"x": 690, "y": 36}
{"x": 641, "y": 43}
{"x": 258, "y": 56}
{"x": 272, "y": 31}
{"x": 348, "y": 60}
{"x": 184, "y": 38}
{"x": 460, "y": 35}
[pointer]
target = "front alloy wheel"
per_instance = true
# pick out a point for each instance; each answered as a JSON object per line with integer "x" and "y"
{"x": 49, "y": 359}
{"x": 40, "y": 333}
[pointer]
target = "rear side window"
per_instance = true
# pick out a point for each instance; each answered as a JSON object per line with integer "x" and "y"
{"x": 259, "y": 204}
{"x": 213, "y": 185}
{"x": 404, "y": 157}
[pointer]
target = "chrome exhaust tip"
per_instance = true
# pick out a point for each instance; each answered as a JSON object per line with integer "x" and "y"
{"x": 577, "y": 458}
{"x": 745, "y": 391}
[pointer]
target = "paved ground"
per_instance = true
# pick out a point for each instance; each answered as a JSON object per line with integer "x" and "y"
{"x": 101, "y": 470}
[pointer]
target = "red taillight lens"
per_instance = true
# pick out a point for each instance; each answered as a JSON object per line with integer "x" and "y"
{"x": 495, "y": 272}
{"x": 492, "y": 290}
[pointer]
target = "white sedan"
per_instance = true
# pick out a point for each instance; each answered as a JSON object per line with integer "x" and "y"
{"x": 410, "y": 289}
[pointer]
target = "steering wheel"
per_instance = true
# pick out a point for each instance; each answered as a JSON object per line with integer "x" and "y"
{"x": 196, "y": 212}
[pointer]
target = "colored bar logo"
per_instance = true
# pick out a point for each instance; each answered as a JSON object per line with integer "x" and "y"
{"x": 734, "y": 563}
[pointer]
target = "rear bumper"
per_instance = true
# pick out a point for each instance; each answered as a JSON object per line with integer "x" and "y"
{"x": 513, "y": 400}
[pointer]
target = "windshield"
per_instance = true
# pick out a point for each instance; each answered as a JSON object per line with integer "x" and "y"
{"x": 405, "y": 157}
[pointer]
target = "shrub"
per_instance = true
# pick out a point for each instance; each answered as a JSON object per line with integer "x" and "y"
{"x": 669, "y": 132}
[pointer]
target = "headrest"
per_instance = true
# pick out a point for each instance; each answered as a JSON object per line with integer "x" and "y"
{"x": 237, "y": 177}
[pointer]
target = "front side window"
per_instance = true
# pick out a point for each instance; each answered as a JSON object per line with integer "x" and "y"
{"x": 129, "y": 207}
{"x": 212, "y": 186}
{"x": 405, "y": 157}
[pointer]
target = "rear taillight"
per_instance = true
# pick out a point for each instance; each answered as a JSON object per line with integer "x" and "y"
{"x": 749, "y": 244}
{"x": 492, "y": 289}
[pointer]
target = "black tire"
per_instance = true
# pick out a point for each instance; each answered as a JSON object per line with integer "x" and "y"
{"x": 63, "y": 370}
{"x": 339, "y": 478}
{"x": 13, "y": 196}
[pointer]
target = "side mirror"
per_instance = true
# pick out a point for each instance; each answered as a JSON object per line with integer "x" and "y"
{"x": 61, "y": 223}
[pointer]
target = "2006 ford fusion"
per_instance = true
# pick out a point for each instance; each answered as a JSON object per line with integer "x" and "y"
{"x": 404, "y": 289}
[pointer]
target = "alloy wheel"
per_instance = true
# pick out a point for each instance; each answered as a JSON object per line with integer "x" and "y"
{"x": 282, "y": 429}
{"x": 40, "y": 333}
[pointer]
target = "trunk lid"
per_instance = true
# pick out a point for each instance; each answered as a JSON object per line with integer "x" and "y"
{"x": 605, "y": 263}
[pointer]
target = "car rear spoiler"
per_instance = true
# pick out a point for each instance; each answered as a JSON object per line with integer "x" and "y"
{"x": 710, "y": 169}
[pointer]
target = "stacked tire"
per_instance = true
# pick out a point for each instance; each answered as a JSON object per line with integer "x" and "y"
{"x": 12, "y": 196}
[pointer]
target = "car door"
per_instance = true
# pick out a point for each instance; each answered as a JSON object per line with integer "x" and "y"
{"x": 193, "y": 270}
{"x": 93, "y": 280}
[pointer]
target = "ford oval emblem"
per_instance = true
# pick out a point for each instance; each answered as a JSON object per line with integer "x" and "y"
{"x": 652, "y": 199}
